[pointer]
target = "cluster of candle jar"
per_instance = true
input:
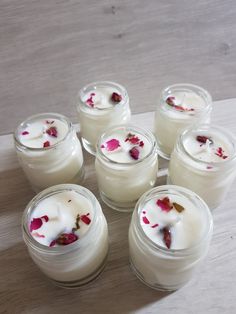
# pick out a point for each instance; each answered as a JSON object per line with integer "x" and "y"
{"x": 170, "y": 231}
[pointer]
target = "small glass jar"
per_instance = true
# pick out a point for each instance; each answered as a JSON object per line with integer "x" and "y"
{"x": 78, "y": 263}
{"x": 61, "y": 162}
{"x": 94, "y": 120}
{"x": 181, "y": 105}
{"x": 157, "y": 266}
{"x": 122, "y": 183}
{"x": 211, "y": 180}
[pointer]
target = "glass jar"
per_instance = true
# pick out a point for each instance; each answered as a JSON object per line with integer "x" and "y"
{"x": 181, "y": 105}
{"x": 210, "y": 180}
{"x": 79, "y": 262}
{"x": 94, "y": 120}
{"x": 157, "y": 266}
{"x": 122, "y": 183}
{"x": 46, "y": 166}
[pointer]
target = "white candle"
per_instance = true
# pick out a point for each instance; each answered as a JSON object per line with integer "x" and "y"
{"x": 49, "y": 151}
{"x": 169, "y": 234}
{"x": 204, "y": 160}
{"x": 126, "y": 166}
{"x": 181, "y": 105}
{"x": 101, "y": 105}
{"x": 66, "y": 234}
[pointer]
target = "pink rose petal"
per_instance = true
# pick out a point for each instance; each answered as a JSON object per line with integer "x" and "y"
{"x": 112, "y": 145}
{"x": 35, "y": 224}
{"x": 145, "y": 220}
{"x": 164, "y": 204}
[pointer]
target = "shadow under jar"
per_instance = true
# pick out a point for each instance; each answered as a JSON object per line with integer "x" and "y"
{"x": 101, "y": 105}
{"x": 66, "y": 234}
{"x": 204, "y": 160}
{"x": 181, "y": 105}
{"x": 126, "y": 166}
{"x": 49, "y": 151}
{"x": 166, "y": 243}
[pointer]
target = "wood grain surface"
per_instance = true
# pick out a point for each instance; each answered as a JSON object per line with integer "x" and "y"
{"x": 24, "y": 289}
{"x": 50, "y": 49}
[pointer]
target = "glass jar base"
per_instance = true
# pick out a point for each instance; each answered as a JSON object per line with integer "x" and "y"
{"x": 121, "y": 207}
{"x": 155, "y": 286}
{"x": 91, "y": 149}
{"x": 81, "y": 282}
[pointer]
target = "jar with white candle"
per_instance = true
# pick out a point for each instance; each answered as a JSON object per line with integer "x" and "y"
{"x": 66, "y": 234}
{"x": 49, "y": 150}
{"x": 169, "y": 235}
{"x": 204, "y": 160}
{"x": 181, "y": 105}
{"x": 101, "y": 105}
{"x": 126, "y": 166}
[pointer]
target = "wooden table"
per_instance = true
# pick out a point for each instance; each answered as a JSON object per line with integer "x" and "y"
{"x": 24, "y": 289}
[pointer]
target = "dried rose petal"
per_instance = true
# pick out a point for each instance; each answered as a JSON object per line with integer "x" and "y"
{"x": 178, "y": 207}
{"x": 66, "y": 238}
{"x": 85, "y": 219}
{"x": 134, "y": 152}
{"x": 46, "y": 144}
{"x": 166, "y": 236}
{"x": 25, "y": 133}
{"x": 155, "y": 225}
{"x": 116, "y": 97}
{"x": 170, "y": 100}
{"x": 145, "y": 220}
{"x": 220, "y": 153}
{"x": 52, "y": 131}
{"x": 35, "y": 224}
{"x": 141, "y": 144}
{"x": 49, "y": 122}
{"x": 112, "y": 145}
{"x": 89, "y": 101}
{"x": 69, "y": 201}
{"x": 144, "y": 212}
{"x": 209, "y": 167}
{"x": 53, "y": 243}
{"x": 203, "y": 139}
{"x": 164, "y": 204}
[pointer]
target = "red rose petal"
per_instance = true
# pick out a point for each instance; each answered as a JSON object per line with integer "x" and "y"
{"x": 166, "y": 236}
{"x": 144, "y": 212}
{"x": 203, "y": 139}
{"x": 52, "y": 131}
{"x": 66, "y": 238}
{"x": 112, "y": 144}
{"x": 53, "y": 243}
{"x": 220, "y": 153}
{"x": 46, "y": 144}
{"x": 155, "y": 225}
{"x": 116, "y": 97}
{"x": 35, "y": 224}
{"x": 45, "y": 217}
{"x": 134, "y": 153}
{"x": 49, "y": 122}
{"x": 85, "y": 219}
{"x": 170, "y": 100}
{"x": 141, "y": 144}
{"x": 25, "y": 133}
{"x": 145, "y": 220}
{"x": 164, "y": 204}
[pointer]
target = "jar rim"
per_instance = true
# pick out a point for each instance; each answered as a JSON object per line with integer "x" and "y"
{"x": 203, "y": 127}
{"x": 29, "y": 239}
{"x": 48, "y": 115}
{"x": 185, "y": 193}
{"x": 190, "y": 88}
{"x": 94, "y": 85}
{"x": 143, "y": 132}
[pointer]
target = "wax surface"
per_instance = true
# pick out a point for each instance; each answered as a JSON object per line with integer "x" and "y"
{"x": 207, "y": 146}
{"x": 126, "y": 144}
{"x": 100, "y": 98}
{"x": 62, "y": 210}
{"x": 186, "y": 227}
{"x": 43, "y": 133}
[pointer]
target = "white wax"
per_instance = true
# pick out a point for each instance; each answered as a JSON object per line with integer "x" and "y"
{"x": 38, "y": 132}
{"x": 61, "y": 209}
{"x": 127, "y": 141}
{"x": 184, "y": 226}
